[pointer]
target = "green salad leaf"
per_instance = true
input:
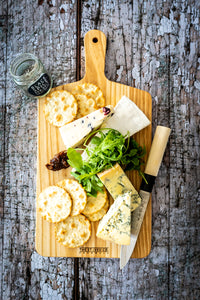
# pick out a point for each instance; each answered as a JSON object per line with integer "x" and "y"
{"x": 106, "y": 147}
{"x": 74, "y": 159}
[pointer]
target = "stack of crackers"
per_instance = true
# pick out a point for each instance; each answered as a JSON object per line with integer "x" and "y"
{"x": 67, "y": 205}
{"x": 62, "y": 107}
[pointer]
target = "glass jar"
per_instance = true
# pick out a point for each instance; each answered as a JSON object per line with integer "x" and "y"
{"x": 30, "y": 75}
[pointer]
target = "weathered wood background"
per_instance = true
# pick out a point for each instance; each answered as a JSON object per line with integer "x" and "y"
{"x": 152, "y": 45}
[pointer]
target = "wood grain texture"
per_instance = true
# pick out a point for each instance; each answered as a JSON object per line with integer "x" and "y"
{"x": 50, "y": 143}
{"x": 153, "y": 46}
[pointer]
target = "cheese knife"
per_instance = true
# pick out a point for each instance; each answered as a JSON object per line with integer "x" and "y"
{"x": 151, "y": 171}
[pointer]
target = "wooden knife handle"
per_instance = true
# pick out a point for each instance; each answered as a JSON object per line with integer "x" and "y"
{"x": 95, "y": 51}
{"x": 158, "y": 147}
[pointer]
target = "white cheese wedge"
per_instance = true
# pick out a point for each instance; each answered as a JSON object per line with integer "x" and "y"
{"x": 74, "y": 133}
{"x": 127, "y": 117}
{"x": 115, "y": 226}
{"x": 117, "y": 183}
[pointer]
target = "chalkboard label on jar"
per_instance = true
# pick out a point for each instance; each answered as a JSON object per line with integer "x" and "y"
{"x": 41, "y": 86}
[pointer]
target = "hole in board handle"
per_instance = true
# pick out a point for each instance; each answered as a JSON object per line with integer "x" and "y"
{"x": 95, "y": 40}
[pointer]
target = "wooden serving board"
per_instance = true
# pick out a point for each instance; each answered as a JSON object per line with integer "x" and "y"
{"x": 50, "y": 143}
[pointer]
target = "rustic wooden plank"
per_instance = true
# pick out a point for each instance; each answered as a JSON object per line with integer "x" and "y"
{"x": 154, "y": 46}
{"x": 49, "y": 31}
{"x": 184, "y": 155}
{"x": 3, "y": 26}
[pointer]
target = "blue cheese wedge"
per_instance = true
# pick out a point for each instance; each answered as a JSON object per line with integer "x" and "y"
{"x": 127, "y": 117}
{"x": 117, "y": 183}
{"x": 74, "y": 133}
{"x": 116, "y": 224}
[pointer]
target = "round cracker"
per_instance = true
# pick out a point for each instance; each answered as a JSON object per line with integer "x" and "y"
{"x": 73, "y": 232}
{"x": 77, "y": 193}
{"x": 99, "y": 215}
{"x": 60, "y": 108}
{"x": 54, "y": 204}
{"x": 92, "y": 91}
{"x": 86, "y": 105}
{"x": 94, "y": 204}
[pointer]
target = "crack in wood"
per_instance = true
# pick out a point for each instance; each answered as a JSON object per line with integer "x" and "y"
{"x": 76, "y": 295}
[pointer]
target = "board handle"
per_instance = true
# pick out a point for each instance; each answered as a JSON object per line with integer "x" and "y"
{"x": 95, "y": 52}
{"x": 157, "y": 150}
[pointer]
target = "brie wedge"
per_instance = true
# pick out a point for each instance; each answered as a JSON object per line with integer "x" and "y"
{"x": 127, "y": 117}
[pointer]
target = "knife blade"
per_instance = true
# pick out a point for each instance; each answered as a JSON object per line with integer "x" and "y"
{"x": 156, "y": 153}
